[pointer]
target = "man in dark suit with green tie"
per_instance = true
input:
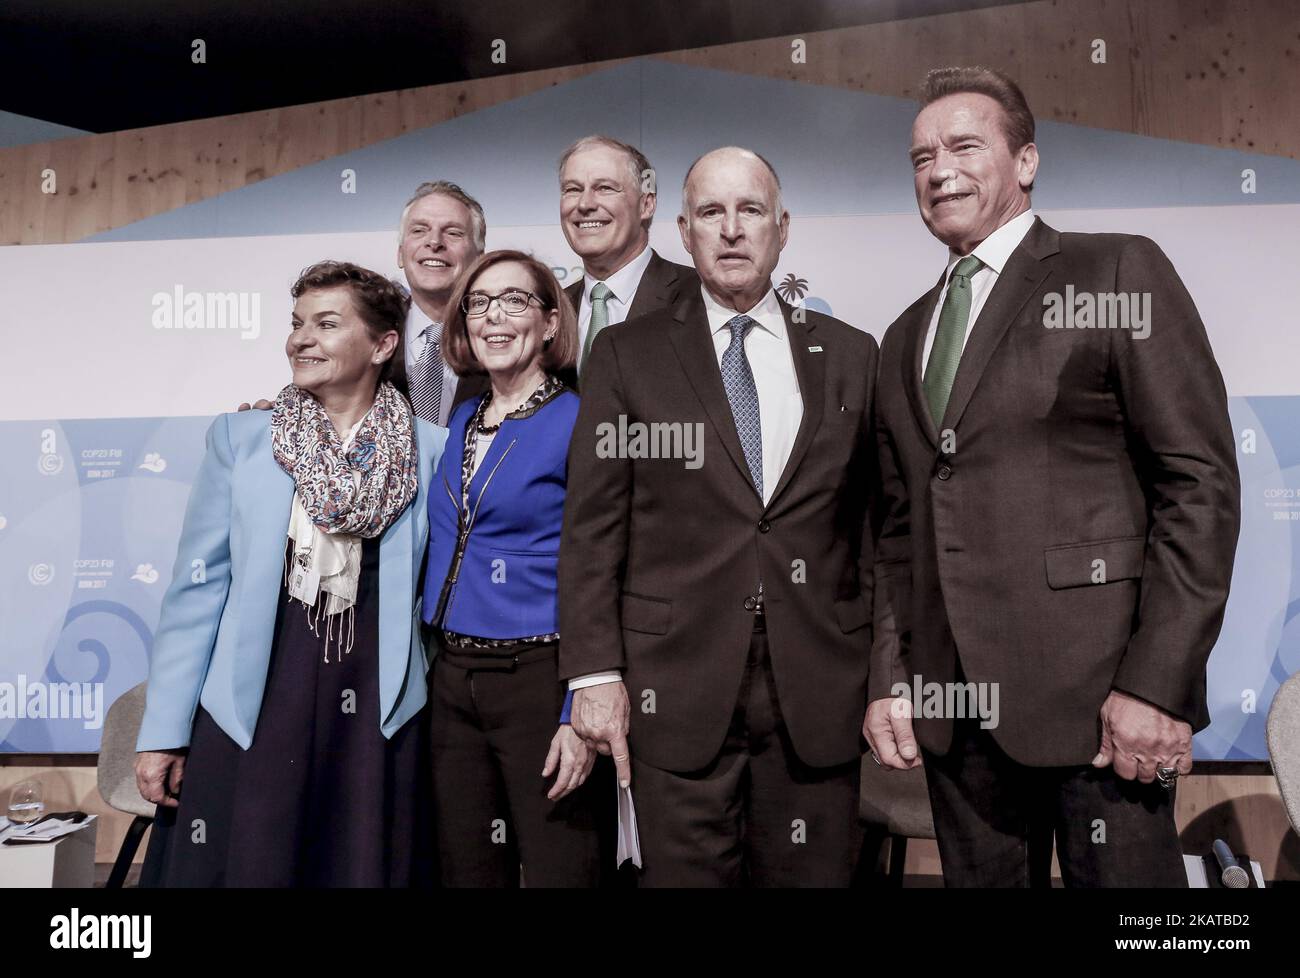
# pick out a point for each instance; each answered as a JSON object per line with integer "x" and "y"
{"x": 1061, "y": 512}
{"x": 607, "y": 201}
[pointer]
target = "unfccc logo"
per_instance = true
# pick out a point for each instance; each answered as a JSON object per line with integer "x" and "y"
{"x": 40, "y": 574}
{"x": 50, "y": 461}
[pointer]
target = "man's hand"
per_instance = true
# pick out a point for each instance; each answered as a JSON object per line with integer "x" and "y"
{"x": 888, "y": 729}
{"x": 600, "y": 715}
{"x": 158, "y": 775}
{"x": 573, "y": 756}
{"x": 262, "y": 405}
{"x": 1137, "y": 738}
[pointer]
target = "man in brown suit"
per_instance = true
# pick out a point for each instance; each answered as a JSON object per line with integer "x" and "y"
{"x": 1061, "y": 512}
{"x": 726, "y": 584}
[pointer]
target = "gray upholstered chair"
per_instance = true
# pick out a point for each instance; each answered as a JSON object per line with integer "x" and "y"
{"x": 1284, "y": 745}
{"x": 116, "y": 776}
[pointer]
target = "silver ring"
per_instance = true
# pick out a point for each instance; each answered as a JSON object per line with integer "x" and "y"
{"x": 1166, "y": 776}
{"x": 876, "y": 759}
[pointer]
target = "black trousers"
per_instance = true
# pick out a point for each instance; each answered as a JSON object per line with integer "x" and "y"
{"x": 990, "y": 812}
{"x": 492, "y": 719}
{"x": 757, "y": 815}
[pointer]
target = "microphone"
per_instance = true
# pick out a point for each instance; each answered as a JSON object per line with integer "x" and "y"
{"x": 1233, "y": 877}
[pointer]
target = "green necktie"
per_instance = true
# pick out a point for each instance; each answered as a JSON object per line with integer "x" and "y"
{"x": 941, "y": 368}
{"x": 600, "y": 292}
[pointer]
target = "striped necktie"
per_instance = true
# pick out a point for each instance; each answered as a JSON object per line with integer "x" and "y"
{"x": 426, "y": 379}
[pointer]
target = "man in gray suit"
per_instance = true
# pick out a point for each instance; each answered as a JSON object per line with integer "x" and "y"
{"x": 1061, "y": 512}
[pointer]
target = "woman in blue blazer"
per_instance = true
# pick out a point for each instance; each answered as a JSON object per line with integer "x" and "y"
{"x": 495, "y": 511}
{"x": 277, "y": 738}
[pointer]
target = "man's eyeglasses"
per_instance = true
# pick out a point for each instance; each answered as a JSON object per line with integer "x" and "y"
{"x": 513, "y": 302}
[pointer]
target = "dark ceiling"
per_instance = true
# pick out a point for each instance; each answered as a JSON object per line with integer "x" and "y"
{"x": 119, "y": 64}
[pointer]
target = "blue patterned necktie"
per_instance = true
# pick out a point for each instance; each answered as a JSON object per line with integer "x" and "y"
{"x": 742, "y": 394}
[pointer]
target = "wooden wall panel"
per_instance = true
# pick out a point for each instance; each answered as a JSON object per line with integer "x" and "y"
{"x": 1193, "y": 70}
{"x": 109, "y": 180}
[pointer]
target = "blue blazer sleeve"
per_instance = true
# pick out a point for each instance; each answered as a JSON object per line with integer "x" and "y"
{"x": 192, "y": 607}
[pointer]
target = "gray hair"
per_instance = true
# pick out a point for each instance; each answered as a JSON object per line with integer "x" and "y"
{"x": 478, "y": 223}
{"x": 686, "y": 181}
{"x": 637, "y": 164}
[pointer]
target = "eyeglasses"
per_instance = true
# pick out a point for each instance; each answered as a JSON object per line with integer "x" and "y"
{"x": 513, "y": 302}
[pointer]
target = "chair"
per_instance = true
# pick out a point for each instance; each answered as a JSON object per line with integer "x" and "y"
{"x": 895, "y": 805}
{"x": 1284, "y": 745}
{"x": 115, "y": 774}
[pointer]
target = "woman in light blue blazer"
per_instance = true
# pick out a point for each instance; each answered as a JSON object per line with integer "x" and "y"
{"x": 277, "y": 738}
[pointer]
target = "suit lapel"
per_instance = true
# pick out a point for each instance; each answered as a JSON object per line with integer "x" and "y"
{"x": 1017, "y": 282}
{"x": 655, "y": 290}
{"x": 574, "y": 292}
{"x": 693, "y": 344}
{"x": 810, "y": 369}
{"x": 913, "y": 351}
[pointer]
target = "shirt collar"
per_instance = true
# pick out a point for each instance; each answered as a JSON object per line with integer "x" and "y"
{"x": 624, "y": 282}
{"x": 767, "y": 313}
{"x": 417, "y": 322}
{"x": 995, "y": 250}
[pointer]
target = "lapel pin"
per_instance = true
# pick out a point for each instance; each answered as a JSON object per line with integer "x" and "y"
{"x": 814, "y": 349}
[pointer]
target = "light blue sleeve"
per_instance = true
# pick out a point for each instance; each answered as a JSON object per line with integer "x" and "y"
{"x": 437, "y": 442}
{"x": 192, "y": 607}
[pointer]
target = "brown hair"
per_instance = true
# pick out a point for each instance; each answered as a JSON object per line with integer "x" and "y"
{"x": 382, "y": 305}
{"x": 563, "y": 349}
{"x": 1017, "y": 120}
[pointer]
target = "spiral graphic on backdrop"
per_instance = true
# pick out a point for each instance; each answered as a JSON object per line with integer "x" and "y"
{"x": 50, "y": 464}
{"x": 92, "y": 644}
{"x": 40, "y": 574}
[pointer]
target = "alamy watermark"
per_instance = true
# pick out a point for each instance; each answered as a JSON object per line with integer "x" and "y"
{"x": 951, "y": 701}
{"x": 53, "y": 701}
{"x": 179, "y": 309}
{"x": 1098, "y": 310}
{"x": 656, "y": 439}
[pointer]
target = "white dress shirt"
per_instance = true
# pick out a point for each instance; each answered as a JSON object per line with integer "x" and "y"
{"x": 417, "y": 337}
{"x": 622, "y": 283}
{"x": 780, "y": 405}
{"x": 994, "y": 251}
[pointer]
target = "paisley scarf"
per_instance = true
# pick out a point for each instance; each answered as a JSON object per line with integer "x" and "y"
{"x": 347, "y": 488}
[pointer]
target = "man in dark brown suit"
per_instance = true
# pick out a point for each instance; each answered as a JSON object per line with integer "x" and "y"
{"x": 607, "y": 201}
{"x": 1062, "y": 505}
{"x": 726, "y": 585}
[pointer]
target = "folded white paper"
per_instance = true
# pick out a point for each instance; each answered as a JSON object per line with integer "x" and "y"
{"x": 629, "y": 844}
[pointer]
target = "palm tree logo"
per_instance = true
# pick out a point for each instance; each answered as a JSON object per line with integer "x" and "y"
{"x": 793, "y": 288}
